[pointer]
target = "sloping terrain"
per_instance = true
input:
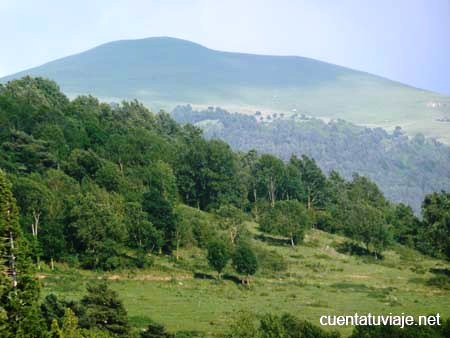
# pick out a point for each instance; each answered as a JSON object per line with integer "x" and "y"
{"x": 120, "y": 193}
{"x": 405, "y": 169}
{"x": 310, "y": 280}
{"x": 164, "y": 72}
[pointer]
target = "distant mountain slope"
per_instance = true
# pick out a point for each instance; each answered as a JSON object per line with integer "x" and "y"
{"x": 405, "y": 169}
{"x": 164, "y": 72}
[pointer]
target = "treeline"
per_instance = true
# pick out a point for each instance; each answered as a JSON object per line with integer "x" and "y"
{"x": 101, "y": 314}
{"x": 102, "y": 186}
{"x": 405, "y": 169}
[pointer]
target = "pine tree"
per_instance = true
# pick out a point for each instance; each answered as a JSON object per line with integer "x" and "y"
{"x": 70, "y": 325}
{"x": 9, "y": 224}
{"x": 104, "y": 310}
{"x": 19, "y": 291}
{"x": 55, "y": 331}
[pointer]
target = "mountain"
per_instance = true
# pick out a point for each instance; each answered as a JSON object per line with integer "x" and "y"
{"x": 165, "y": 72}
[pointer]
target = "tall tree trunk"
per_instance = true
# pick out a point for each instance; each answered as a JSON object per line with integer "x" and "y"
{"x": 233, "y": 234}
{"x": 272, "y": 192}
{"x": 256, "y": 204}
{"x": 177, "y": 255}
{"x": 35, "y": 224}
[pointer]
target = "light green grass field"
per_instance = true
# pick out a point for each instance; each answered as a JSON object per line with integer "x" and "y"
{"x": 318, "y": 281}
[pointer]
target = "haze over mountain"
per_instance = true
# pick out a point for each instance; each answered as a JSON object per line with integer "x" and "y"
{"x": 165, "y": 72}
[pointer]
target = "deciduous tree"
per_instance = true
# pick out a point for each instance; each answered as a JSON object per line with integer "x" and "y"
{"x": 287, "y": 218}
{"x": 218, "y": 256}
{"x": 244, "y": 261}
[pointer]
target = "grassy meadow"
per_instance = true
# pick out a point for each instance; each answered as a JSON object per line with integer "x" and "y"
{"x": 308, "y": 281}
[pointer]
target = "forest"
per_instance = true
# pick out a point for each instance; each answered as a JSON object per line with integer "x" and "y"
{"x": 405, "y": 168}
{"x": 105, "y": 187}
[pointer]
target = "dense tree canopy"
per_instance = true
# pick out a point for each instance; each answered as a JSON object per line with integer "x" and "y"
{"x": 107, "y": 186}
{"x": 94, "y": 180}
{"x": 436, "y": 214}
{"x": 406, "y": 169}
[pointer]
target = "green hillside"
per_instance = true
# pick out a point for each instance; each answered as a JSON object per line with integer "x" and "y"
{"x": 114, "y": 219}
{"x": 164, "y": 72}
{"x": 312, "y": 280}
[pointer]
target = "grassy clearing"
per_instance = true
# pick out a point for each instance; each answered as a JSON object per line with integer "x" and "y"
{"x": 317, "y": 280}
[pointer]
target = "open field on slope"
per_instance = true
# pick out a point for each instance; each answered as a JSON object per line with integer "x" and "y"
{"x": 164, "y": 72}
{"x": 318, "y": 281}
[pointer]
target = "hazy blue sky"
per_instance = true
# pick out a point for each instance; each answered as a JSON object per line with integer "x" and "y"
{"x": 405, "y": 40}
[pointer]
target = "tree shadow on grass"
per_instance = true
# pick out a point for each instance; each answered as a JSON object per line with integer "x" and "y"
{"x": 353, "y": 249}
{"x": 441, "y": 271}
{"x": 441, "y": 279}
{"x": 232, "y": 278}
{"x": 272, "y": 240}
{"x": 227, "y": 277}
{"x": 201, "y": 275}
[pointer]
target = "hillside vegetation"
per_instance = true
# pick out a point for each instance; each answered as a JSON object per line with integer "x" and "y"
{"x": 310, "y": 280}
{"x": 165, "y": 72}
{"x": 406, "y": 169}
{"x": 91, "y": 190}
